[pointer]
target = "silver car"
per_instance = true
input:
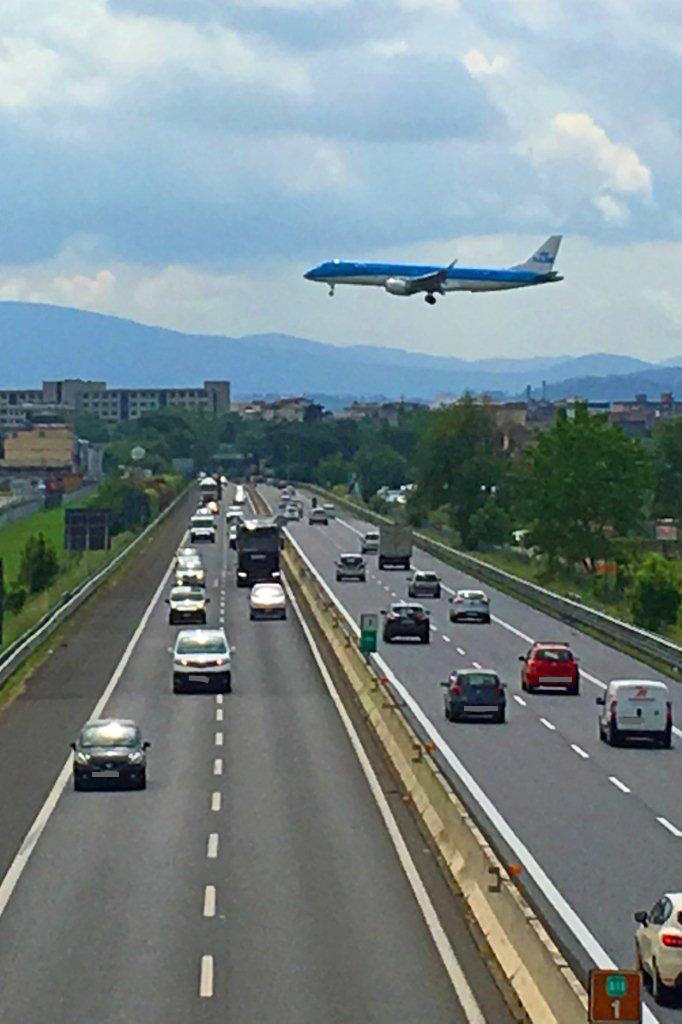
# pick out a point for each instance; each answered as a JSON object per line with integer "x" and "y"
{"x": 351, "y": 567}
{"x": 472, "y": 605}
{"x": 267, "y": 601}
{"x": 201, "y": 661}
{"x": 370, "y": 542}
{"x": 423, "y": 584}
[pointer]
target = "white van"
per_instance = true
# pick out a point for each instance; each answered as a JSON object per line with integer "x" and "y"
{"x": 634, "y": 709}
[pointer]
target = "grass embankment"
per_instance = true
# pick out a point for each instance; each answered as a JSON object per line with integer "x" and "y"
{"x": 74, "y": 566}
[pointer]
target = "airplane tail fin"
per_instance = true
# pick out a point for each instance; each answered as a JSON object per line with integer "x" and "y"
{"x": 542, "y": 260}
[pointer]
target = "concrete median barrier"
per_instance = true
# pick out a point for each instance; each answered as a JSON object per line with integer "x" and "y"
{"x": 536, "y": 974}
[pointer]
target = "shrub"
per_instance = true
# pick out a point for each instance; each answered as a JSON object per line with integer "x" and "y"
{"x": 654, "y": 595}
{"x": 15, "y": 599}
{"x": 39, "y": 564}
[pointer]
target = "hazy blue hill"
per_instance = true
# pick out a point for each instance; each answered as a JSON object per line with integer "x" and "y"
{"x": 41, "y": 342}
{"x": 651, "y": 383}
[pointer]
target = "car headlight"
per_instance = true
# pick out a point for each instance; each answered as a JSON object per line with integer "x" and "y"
{"x": 82, "y": 758}
{"x": 242, "y": 574}
{"x": 136, "y": 758}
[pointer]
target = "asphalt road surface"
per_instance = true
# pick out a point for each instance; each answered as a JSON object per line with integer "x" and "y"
{"x": 253, "y": 881}
{"x": 605, "y": 824}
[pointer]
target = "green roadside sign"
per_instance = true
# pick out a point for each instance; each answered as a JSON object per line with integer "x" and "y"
{"x": 369, "y": 627}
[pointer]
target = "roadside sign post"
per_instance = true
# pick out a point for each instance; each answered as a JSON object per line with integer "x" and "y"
{"x": 369, "y": 627}
{"x": 615, "y": 996}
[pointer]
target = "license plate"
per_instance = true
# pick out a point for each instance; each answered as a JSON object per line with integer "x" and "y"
{"x": 555, "y": 679}
{"x": 106, "y": 773}
{"x": 198, "y": 679}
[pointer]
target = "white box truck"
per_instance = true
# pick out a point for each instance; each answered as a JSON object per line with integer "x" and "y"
{"x": 395, "y": 546}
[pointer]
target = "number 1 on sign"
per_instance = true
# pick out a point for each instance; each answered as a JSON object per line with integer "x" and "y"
{"x": 615, "y": 1006}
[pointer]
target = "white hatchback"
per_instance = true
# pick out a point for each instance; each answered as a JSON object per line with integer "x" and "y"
{"x": 658, "y": 943}
{"x": 636, "y": 709}
{"x": 201, "y": 661}
{"x": 267, "y": 601}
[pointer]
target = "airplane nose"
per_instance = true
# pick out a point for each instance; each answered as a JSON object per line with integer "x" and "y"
{"x": 309, "y": 274}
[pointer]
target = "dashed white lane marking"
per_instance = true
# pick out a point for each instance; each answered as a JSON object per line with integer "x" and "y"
{"x": 216, "y": 800}
{"x": 386, "y": 588}
{"x": 460, "y": 650}
{"x": 212, "y": 845}
{"x": 475, "y": 664}
{"x": 619, "y": 785}
{"x": 671, "y": 828}
{"x": 209, "y": 901}
{"x": 393, "y": 593}
{"x": 206, "y": 977}
{"x": 579, "y": 751}
{"x": 446, "y": 638}
{"x": 219, "y": 739}
{"x": 216, "y": 583}
{"x": 519, "y": 700}
{"x": 218, "y": 766}
{"x": 218, "y": 714}
{"x": 548, "y": 725}
{"x": 218, "y": 698}
{"x": 433, "y": 629}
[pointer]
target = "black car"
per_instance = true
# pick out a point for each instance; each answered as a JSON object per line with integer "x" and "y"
{"x": 351, "y": 567}
{"x": 110, "y": 751}
{"x": 406, "y": 620}
{"x": 423, "y": 584}
{"x": 474, "y": 693}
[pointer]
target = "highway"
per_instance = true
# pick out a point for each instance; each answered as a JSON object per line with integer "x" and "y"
{"x": 254, "y": 880}
{"x": 603, "y": 824}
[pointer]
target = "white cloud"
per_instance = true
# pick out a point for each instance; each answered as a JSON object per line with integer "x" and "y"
{"x": 390, "y": 47}
{"x": 81, "y": 290}
{"x": 478, "y": 65}
{"x": 611, "y": 210}
{"x": 622, "y": 169}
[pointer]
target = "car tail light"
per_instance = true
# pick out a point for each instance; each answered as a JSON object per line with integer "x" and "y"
{"x": 456, "y": 689}
{"x": 671, "y": 939}
{"x": 420, "y": 618}
{"x": 668, "y": 712}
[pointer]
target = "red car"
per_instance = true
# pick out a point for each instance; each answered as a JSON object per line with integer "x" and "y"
{"x": 550, "y": 665}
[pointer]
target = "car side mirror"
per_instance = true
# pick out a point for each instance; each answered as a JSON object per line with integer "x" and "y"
{"x": 641, "y": 917}
{"x": 207, "y": 600}
{"x": 146, "y": 745}
{"x": 600, "y": 700}
{"x": 170, "y": 650}
{"x": 72, "y": 745}
{"x": 445, "y": 683}
{"x": 522, "y": 657}
{"x": 450, "y": 600}
{"x": 166, "y": 600}
{"x": 383, "y": 611}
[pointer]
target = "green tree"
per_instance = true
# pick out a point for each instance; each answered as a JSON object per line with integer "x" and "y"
{"x": 581, "y": 486}
{"x": 379, "y": 466}
{"x": 457, "y": 464}
{"x": 654, "y": 595}
{"x": 128, "y": 504}
{"x": 91, "y": 427}
{"x": 39, "y": 564}
{"x": 332, "y": 470}
{"x": 489, "y": 524}
{"x": 667, "y": 447}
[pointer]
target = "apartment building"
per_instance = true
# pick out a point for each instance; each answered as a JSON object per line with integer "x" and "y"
{"x": 65, "y": 399}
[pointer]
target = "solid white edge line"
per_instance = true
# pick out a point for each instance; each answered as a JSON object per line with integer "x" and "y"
{"x": 618, "y": 784}
{"x": 34, "y": 833}
{"x": 579, "y": 751}
{"x": 216, "y": 800}
{"x": 548, "y": 725}
{"x": 670, "y": 827}
{"x": 209, "y": 901}
{"x": 452, "y": 966}
{"x": 206, "y": 977}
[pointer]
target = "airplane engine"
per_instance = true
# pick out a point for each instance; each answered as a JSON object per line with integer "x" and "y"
{"x": 397, "y": 286}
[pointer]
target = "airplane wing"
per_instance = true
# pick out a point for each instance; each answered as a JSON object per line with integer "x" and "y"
{"x": 429, "y": 282}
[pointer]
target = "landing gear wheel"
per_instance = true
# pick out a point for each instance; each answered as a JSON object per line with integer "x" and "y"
{"x": 431, "y": 299}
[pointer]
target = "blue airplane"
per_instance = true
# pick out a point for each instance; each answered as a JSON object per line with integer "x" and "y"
{"x": 408, "y": 279}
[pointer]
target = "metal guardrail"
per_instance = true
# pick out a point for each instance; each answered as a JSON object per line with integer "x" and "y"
{"x": 623, "y": 634}
{"x": 23, "y": 646}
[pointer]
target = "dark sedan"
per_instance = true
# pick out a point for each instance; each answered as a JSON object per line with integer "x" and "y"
{"x": 110, "y": 751}
{"x": 475, "y": 693}
{"x": 423, "y": 584}
{"x": 406, "y": 620}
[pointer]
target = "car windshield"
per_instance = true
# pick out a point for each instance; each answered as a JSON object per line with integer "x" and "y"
{"x": 554, "y": 654}
{"x": 113, "y": 734}
{"x": 187, "y": 594}
{"x": 201, "y": 643}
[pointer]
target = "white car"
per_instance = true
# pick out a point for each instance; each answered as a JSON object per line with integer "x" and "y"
{"x": 202, "y": 528}
{"x": 189, "y": 572}
{"x": 330, "y": 510}
{"x": 658, "y": 942}
{"x": 201, "y": 661}
{"x": 636, "y": 709}
{"x": 267, "y": 601}
{"x": 240, "y": 495}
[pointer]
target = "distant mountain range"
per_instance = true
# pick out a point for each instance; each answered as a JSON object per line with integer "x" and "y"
{"x": 41, "y": 342}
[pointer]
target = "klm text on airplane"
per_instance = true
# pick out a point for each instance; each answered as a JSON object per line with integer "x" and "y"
{"x": 408, "y": 279}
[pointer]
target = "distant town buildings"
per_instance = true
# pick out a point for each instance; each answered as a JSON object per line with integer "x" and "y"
{"x": 66, "y": 399}
{"x": 282, "y": 410}
{"x": 50, "y": 451}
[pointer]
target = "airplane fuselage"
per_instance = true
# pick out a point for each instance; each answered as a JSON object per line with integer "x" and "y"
{"x": 469, "y": 279}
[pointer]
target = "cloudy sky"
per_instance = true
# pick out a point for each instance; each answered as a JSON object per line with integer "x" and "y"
{"x": 183, "y": 163}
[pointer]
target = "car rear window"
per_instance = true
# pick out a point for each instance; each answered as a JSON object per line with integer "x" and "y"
{"x": 428, "y": 577}
{"x": 408, "y": 610}
{"x": 187, "y": 593}
{"x": 114, "y": 734}
{"x": 479, "y": 679}
{"x": 553, "y": 654}
{"x": 202, "y": 521}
